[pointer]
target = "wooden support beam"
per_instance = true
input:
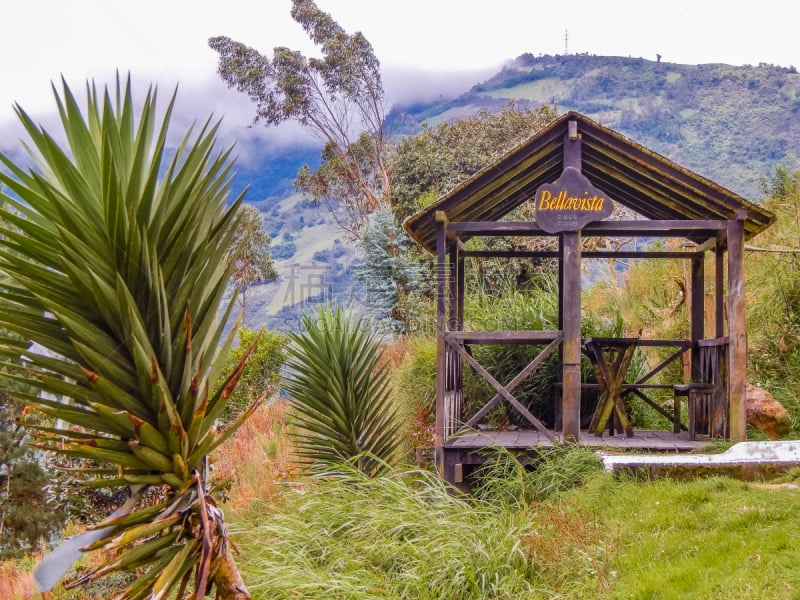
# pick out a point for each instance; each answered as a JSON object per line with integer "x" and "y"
{"x": 697, "y": 312}
{"x": 737, "y": 350}
{"x": 452, "y": 291}
{"x": 719, "y": 286}
{"x": 660, "y": 228}
{"x": 460, "y": 291}
{"x": 629, "y": 254}
{"x": 441, "y": 292}
{"x": 522, "y": 336}
{"x": 570, "y": 311}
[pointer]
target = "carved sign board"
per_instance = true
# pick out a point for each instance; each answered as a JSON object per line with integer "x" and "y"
{"x": 570, "y": 203}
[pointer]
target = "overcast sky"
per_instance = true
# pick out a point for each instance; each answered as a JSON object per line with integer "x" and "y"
{"x": 166, "y": 41}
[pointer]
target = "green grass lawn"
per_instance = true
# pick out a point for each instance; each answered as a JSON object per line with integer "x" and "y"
{"x": 403, "y": 536}
{"x": 710, "y": 538}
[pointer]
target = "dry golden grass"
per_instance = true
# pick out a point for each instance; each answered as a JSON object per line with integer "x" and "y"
{"x": 257, "y": 458}
{"x": 396, "y": 352}
{"x": 16, "y": 583}
{"x": 564, "y": 538}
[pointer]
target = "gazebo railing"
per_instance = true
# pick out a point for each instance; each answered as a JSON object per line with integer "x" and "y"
{"x": 456, "y": 351}
{"x": 713, "y": 369}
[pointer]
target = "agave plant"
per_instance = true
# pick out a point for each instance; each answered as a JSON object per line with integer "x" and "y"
{"x": 342, "y": 409}
{"x": 117, "y": 260}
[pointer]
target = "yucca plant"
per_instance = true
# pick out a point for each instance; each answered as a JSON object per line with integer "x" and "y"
{"x": 341, "y": 405}
{"x": 117, "y": 260}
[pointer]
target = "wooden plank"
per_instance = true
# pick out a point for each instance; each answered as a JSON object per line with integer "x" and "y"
{"x": 452, "y": 288}
{"x": 639, "y": 342}
{"x": 658, "y": 368}
{"x": 696, "y": 313}
{"x": 629, "y": 386}
{"x": 489, "y": 228}
{"x": 572, "y": 146}
{"x": 719, "y": 288}
{"x": 524, "y": 439}
{"x": 659, "y": 409}
{"x": 720, "y": 341}
{"x": 661, "y": 228}
{"x": 627, "y": 254}
{"x": 441, "y": 425}
{"x": 505, "y": 336}
{"x": 460, "y": 293}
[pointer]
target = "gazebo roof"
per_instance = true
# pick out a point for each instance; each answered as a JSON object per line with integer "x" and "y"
{"x": 629, "y": 173}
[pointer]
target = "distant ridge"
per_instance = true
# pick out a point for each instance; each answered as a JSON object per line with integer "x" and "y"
{"x": 731, "y": 124}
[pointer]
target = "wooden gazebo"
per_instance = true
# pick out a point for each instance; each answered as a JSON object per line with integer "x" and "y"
{"x": 574, "y": 171}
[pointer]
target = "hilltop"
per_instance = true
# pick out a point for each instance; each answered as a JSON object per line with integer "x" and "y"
{"x": 732, "y": 124}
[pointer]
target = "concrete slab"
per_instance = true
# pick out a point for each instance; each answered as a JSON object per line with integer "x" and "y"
{"x": 745, "y": 460}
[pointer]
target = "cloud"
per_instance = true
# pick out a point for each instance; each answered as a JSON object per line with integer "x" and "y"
{"x": 199, "y": 100}
{"x": 406, "y": 85}
{"x": 195, "y": 103}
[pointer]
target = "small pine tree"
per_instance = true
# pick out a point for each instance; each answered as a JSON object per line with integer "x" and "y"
{"x": 392, "y": 277}
{"x": 27, "y": 516}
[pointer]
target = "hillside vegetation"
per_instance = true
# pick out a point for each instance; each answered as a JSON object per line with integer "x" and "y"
{"x": 732, "y": 124}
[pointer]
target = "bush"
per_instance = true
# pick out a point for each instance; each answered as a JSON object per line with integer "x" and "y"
{"x": 342, "y": 407}
{"x": 262, "y": 372}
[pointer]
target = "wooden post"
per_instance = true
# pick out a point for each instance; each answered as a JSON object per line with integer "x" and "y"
{"x": 452, "y": 288}
{"x": 737, "y": 350}
{"x": 441, "y": 320}
{"x": 697, "y": 317}
{"x": 456, "y": 323}
{"x": 571, "y": 347}
{"x": 460, "y": 292}
{"x": 719, "y": 288}
{"x": 570, "y": 309}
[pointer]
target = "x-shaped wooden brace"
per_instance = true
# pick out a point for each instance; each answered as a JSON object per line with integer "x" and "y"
{"x": 504, "y": 392}
{"x": 658, "y": 368}
{"x": 611, "y": 378}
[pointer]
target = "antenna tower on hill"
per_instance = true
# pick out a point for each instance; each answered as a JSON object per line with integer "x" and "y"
{"x": 566, "y": 42}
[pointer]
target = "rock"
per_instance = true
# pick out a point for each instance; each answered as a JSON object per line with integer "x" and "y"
{"x": 766, "y": 413}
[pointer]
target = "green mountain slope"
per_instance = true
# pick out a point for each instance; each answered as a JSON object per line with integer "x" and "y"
{"x": 732, "y": 124}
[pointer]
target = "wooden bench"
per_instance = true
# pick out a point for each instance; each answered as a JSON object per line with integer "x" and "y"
{"x": 698, "y": 399}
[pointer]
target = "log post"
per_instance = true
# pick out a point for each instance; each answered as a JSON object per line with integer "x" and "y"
{"x": 570, "y": 308}
{"x": 697, "y": 311}
{"x": 441, "y": 322}
{"x": 737, "y": 350}
{"x": 719, "y": 288}
{"x": 571, "y": 346}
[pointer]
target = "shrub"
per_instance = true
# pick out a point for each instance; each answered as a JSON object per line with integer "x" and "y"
{"x": 342, "y": 408}
{"x": 262, "y": 371}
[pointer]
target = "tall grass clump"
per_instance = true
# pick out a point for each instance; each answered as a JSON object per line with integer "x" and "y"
{"x": 401, "y": 535}
{"x": 256, "y": 461}
{"x": 773, "y": 285}
{"x": 414, "y": 390}
{"x": 505, "y": 481}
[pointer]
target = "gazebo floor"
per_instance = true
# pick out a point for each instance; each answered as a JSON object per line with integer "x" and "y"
{"x": 529, "y": 439}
